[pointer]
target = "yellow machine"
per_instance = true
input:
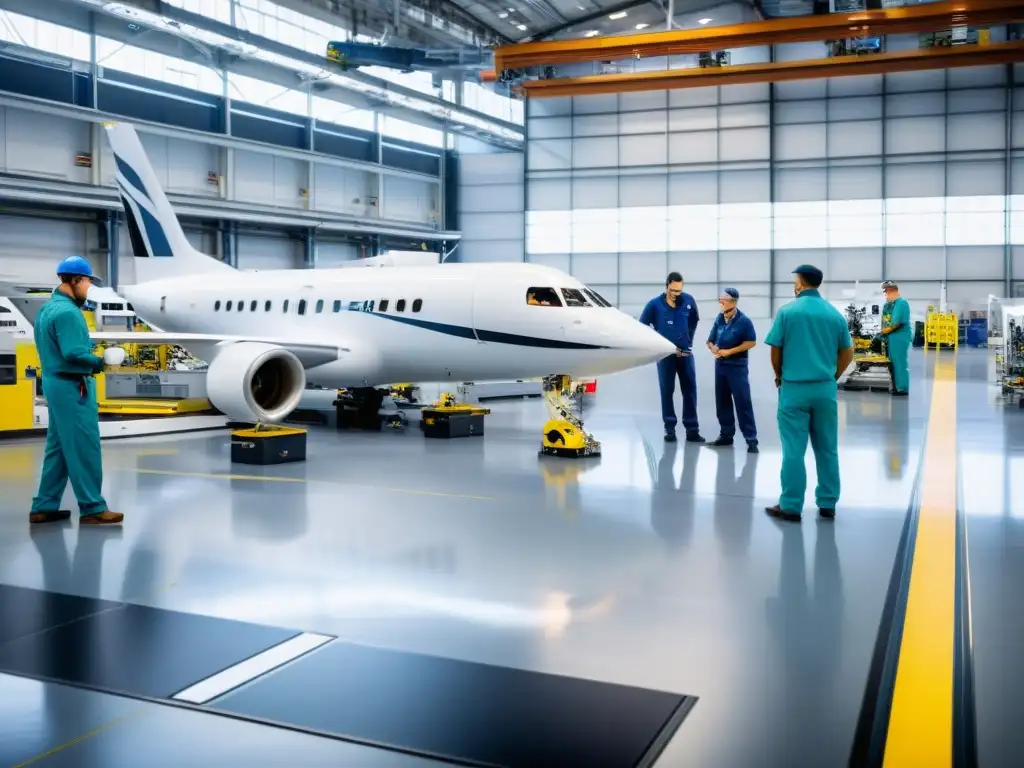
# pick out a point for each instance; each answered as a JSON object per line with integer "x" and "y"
{"x": 564, "y": 434}
{"x": 941, "y": 329}
{"x": 447, "y": 418}
{"x": 17, "y": 390}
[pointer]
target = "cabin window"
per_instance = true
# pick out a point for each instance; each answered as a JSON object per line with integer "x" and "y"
{"x": 241, "y": 306}
{"x": 400, "y": 305}
{"x": 216, "y": 306}
{"x": 371, "y": 304}
{"x": 417, "y": 305}
{"x": 574, "y": 298}
{"x": 252, "y": 306}
{"x": 337, "y": 305}
{"x": 319, "y": 306}
{"x": 543, "y": 297}
{"x": 383, "y": 305}
{"x": 302, "y": 306}
{"x": 284, "y": 307}
{"x": 596, "y": 297}
{"x": 6, "y": 311}
{"x": 267, "y": 306}
{"x": 227, "y": 307}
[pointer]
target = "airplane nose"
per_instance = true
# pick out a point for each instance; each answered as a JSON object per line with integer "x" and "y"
{"x": 652, "y": 345}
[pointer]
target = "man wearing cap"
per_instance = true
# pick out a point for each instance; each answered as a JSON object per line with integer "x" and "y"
{"x": 897, "y": 337}
{"x": 731, "y": 338}
{"x": 811, "y": 348}
{"x": 674, "y": 315}
{"x": 73, "y": 432}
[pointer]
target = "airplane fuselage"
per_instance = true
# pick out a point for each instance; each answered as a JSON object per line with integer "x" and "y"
{"x": 442, "y": 323}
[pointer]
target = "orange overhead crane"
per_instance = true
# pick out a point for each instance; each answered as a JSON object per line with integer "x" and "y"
{"x": 829, "y": 26}
{"x": 809, "y": 69}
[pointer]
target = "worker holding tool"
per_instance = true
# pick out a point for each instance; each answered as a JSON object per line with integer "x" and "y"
{"x": 811, "y": 349}
{"x": 674, "y": 315}
{"x": 731, "y": 338}
{"x": 897, "y": 337}
{"x": 73, "y": 432}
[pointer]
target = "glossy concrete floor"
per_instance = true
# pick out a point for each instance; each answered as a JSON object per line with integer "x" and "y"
{"x": 652, "y": 567}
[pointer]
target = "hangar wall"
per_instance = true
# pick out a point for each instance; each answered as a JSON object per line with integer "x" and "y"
{"x": 916, "y": 177}
{"x": 491, "y": 206}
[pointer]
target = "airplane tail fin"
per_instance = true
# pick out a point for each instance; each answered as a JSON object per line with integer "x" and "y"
{"x": 160, "y": 247}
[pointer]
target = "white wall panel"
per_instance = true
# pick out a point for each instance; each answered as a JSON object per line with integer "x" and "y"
{"x": 595, "y": 125}
{"x": 490, "y": 250}
{"x": 45, "y": 145}
{"x": 600, "y": 192}
{"x": 548, "y": 195}
{"x": 864, "y": 108}
{"x": 630, "y": 102}
{"x": 693, "y": 147}
{"x": 913, "y": 180}
{"x": 693, "y": 97}
{"x": 270, "y": 180}
{"x": 181, "y": 167}
{"x": 744, "y": 266}
{"x": 800, "y": 141}
{"x": 642, "y": 150}
{"x": 641, "y": 191}
{"x": 600, "y": 152}
{"x": 549, "y": 154}
{"x": 410, "y": 200}
{"x": 555, "y": 260}
{"x": 588, "y": 105}
{"x": 259, "y": 252}
{"x": 335, "y": 254}
{"x": 696, "y": 266}
{"x": 744, "y": 144}
{"x": 976, "y": 131}
{"x": 491, "y": 206}
{"x": 915, "y": 264}
{"x": 643, "y": 122}
{"x": 965, "y": 297}
{"x": 975, "y": 262}
{"x": 31, "y": 248}
{"x": 853, "y": 264}
{"x": 643, "y": 268}
{"x": 596, "y": 268}
{"x": 855, "y": 183}
{"x": 800, "y": 184}
{"x": 913, "y": 135}
{"x": 551, "y": 128}
{"x": 858, "y": 139}
{"x": 345, "y": 191}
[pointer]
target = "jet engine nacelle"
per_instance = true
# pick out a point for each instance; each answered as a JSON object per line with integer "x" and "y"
{"x": 254, "y": 382}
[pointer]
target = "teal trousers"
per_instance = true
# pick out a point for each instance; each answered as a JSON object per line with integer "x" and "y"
{"x": 809, "y": 411}
{"x": 899, "y": 360}
{"x": 72, "y": 448}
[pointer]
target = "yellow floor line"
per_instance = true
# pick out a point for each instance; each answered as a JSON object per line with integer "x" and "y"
{"x": 79, "y": 739}
{"x": 921, "y": 720}
{"x": 284, "y": 479}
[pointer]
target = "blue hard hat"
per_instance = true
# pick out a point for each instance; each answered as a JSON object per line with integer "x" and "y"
{"x": 732, "y": 293}
{"x": 76, "y": 266}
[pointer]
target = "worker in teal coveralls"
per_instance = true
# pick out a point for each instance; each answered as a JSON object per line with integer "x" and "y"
{"x": 897, "y": 336}
{"x": 811, "y": 348}
{"x": 73, "y": 432}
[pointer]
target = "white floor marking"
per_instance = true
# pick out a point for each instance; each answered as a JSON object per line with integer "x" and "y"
{"x": 241, "y": 673}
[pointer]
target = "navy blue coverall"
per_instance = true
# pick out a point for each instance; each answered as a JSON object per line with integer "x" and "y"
{"x": 677, "y": 324}
{"x": 732, "y": 380}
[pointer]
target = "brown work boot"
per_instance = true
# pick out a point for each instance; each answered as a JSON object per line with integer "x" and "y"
{"x": 103, "y": 518}
{"x": 49, "y": 516}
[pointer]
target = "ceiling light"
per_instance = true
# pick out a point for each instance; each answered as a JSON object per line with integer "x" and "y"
{"x": 591, "y": 33}
{"x": 521, "y": 27}
{"x": 703, "y": 21}
{"x": 502, "y": 15}
{"x": 619, "y": 15}
{"x": 642, "y": 26}
{"x": 581, "y": 7}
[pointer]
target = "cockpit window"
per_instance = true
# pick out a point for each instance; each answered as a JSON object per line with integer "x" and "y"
{"x": 543, "y": 297}
{"x": 596, "y": 297}
{"x": 574, "y": 298}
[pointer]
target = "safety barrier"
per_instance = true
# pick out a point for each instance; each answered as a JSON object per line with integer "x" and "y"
{"x": 941, "y": 329}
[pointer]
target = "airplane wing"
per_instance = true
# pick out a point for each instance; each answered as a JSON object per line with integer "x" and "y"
{"x": 310, "y": 354}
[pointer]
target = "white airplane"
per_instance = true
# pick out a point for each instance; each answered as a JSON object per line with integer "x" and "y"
{"x": 265, "y": 333}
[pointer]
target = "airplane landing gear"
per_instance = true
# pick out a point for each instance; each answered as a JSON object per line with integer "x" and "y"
{"x": 360, "y": 408}
{"x": 564, "y": 434}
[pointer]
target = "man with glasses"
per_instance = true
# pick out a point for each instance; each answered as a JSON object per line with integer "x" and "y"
{"x": 674, "y": 315}
{"x": 731, "y": 338}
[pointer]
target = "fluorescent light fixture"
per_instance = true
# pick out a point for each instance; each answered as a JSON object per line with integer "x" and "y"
{"x": 502, "y": 15}
{"x": 616, "y": 16}
{"x": 591, "y": 33}
{"x": 456, "y": 119}
{"x": 642, "y": 26}
{"x": 704, "y": 21}
{"x": 522, "y": 27}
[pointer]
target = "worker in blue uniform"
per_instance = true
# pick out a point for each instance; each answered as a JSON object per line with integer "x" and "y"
{"x": 674, "y": 315}
{"x": 730, "y": 341}
{"x": 811, "y": 348}
{"x": 897, "y": 336}
{"x": 73, "y": 432}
